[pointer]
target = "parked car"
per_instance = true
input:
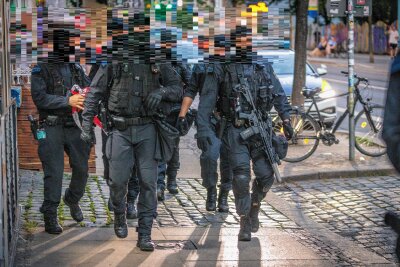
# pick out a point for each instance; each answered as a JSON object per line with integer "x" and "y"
{"x": 283, "y": 65}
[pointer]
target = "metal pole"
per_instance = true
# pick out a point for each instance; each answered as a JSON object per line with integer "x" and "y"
{"x": 5, "y": 60}
{"x": 5, "y": 95}
{"x": 350, "y": 98}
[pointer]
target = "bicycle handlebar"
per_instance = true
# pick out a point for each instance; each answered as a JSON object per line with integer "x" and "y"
{"x": 361, "y": 79}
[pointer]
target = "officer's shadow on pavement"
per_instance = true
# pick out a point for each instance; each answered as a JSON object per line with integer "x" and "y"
{"x": 214, "y": 245}
{"x": 207, "y": 250}
{"x": 75, "y": 246}
{"x": 250, "y": 253}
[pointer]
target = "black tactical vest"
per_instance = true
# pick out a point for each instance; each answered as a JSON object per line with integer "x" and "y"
{"x": 129, "y": 87}
{"x": 57, "y": 84}
{"x": 253, "y": 76}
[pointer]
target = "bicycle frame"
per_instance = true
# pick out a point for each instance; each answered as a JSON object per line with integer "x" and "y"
{"x": 358, "y": 98}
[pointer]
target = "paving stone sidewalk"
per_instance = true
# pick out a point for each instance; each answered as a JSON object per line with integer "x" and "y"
{"x": 318, "y": 222}
{"x": 186, "y": 209}
{"x": 352, "y": 207}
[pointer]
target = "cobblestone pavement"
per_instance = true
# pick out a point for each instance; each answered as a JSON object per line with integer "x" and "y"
{"x": 352, "y": 207}
{"x": 186, "y": 209}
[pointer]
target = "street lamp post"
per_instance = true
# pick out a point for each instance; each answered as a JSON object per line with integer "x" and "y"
{"x": 350, "y": 99}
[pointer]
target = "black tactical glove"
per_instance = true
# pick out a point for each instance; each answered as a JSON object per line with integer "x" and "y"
{"x": 87, "y": 135}
{"x": 203, "y": 143}
{"x": 287, "y": 129}
{"x": 182, "y": 126}
{"x": 154, "y": 99}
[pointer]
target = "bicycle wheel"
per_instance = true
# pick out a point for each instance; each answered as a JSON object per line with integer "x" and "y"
{"x": 305, "y": 139}
{"x": 368, "y": 141}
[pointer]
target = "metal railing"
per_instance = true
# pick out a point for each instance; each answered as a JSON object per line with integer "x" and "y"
{"x": 9, "y": 175}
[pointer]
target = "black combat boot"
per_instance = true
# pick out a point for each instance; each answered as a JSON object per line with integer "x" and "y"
{"x": 171, "y": 185}
{"x": 223, "y": 200}
{"x": 51, "y": 224}
{"x": 110, "y": 205}
{"x": 160, "y": 193}
{"x": 245, "y": 229}
{"x": 120, "y": 226}
{"x": 254, "y": 211}
{"x": 131, "y": 212}
{"x": 211, "y": 198}
{"x": 145, "y": 243}
{"x": 75, "y": 210}
{"x": 257, "y": 196}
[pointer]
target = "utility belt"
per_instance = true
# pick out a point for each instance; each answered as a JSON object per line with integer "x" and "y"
{"x": 54, "y": 120}
{"x": 236, "y": 122}
{"x": 122, "y": 123}
{"x": 219, "y": 121}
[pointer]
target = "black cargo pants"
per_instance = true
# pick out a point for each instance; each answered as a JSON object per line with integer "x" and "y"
{"x": 239, "y": 157}
{"x": 125, "y": 150}
{"x": 170, "y": 168}
{"x": 133, "y": 184}
{"x": 209, "y": 165}
{"x": 51, "y": 153}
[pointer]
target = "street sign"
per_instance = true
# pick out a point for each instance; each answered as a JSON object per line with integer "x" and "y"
{"x": 363, "y": 8}
{"x": 337, "y": 8}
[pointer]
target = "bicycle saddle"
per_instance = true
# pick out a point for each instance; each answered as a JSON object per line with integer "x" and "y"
{"x": 310, "y": 93}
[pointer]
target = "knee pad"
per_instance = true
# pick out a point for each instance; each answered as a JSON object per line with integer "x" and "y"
{"x": 258, "y": 193}
{"x": 241, "y": 184}
{"x": 264, "y": 184}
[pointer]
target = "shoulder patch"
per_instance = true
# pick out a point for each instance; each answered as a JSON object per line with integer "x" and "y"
{"x": 103, "y": 64}
{"x": 36, "y": 69}
{"x": 210, "y": 69}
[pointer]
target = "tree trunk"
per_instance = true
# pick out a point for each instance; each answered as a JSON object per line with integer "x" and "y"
{"x": 301, "y": 52}
{"x": 370, "y": 40}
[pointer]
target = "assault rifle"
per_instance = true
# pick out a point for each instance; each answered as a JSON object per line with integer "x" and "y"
{"x": 259, "y": 126}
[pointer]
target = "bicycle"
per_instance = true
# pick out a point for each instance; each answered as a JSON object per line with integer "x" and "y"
{"x": 308, "y": 132}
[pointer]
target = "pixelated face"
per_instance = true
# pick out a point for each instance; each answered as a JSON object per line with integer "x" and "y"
{"x": 169, "y": 29}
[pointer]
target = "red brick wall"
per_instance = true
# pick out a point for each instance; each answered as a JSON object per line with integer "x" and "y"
{"x": 27, "y": 146}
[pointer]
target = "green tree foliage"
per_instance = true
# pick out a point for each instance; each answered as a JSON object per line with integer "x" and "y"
{"x": 385, "y": 10}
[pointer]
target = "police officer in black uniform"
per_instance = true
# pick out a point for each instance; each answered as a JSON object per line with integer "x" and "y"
{"x": 170, "y": 169}
{"x": 134, "y": 92}
{"x": 391, "y": 135}
{"x": 219, "y": 87}
{"x": 209, "y": 158}
{"x": 50, "y": 87}
{"x": 133, "y": 185}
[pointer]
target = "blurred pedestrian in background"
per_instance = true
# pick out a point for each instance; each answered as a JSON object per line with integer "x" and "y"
{"x": 320, "y": 50}
{"x": 332, "y": 46}
{"x": 393, "y": 39}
